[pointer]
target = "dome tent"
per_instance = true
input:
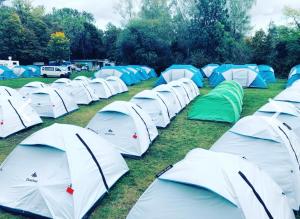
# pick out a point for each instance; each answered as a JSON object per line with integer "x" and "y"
{"x": 155, "y": 105}
{"x": 272, "y": 146}
{"x": 29, "y": 88}
{"x": 267, "y": 73}
{"x": 223, "y": 104}
{"x": 116, "y": 71}
{"x": 83, "y": 79}
{"x": 16, "y": 115}
{"x": 285, "y": 112}
{"x": 82, "y": 93}
{"x": 52, "y": 103}
{"x": 36, "y": 71}
{"x": 172, "y": 99}
{"x": 63, "y": 84}
{"x": 191, "y": 87}
{"x": 212, "y": 185}
{"x": 23, "y": 71}
{"x": 118, "y": 85}
{"x": 142, "y": 72}
{"x": 136, "y": 133}
{"x": 9, "y": 92}
{"x": 101, "y": 88}
{"x": 150, "y": 71}
{"x": 290, "y": 95}
{"x": 294, "y": 75}
{"x": 59, "y": 172}
{"x": 245, "y": 76}
{"x": 181, "y": 90}
{"x": 208, "y": 69}
{"x": 6, "y": 73}
{"x": 176, "y": 72}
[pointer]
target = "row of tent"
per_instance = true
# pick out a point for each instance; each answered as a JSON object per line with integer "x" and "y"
{"x": 294, "y": 75}
{"x": 222, "y": 104}
{"x": 23, "y": 108}
{"x": 252, "y": 76}
{"x": 21, "y": 71}
{"x": 252, "y": 171}
{"x": 130, "y": 75}
{"x": 63, "y": 170}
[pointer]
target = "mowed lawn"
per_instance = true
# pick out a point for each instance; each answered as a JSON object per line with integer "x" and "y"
{"x": 173, "y": 143}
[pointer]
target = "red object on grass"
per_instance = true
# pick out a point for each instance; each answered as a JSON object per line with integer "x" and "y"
{"x": 70, "y": 190}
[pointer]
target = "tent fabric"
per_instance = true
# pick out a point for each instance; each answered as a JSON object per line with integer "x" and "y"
{"x": 191, "y": 87}
{"x": 136, "y": 133}
{"x": 285, "y": 112}
{"x": 155, "y": 105}
{"x": 294, "y": 75}
{"x": 82, "y": 93}
{"x": 223, "y": 104}
{"x": 6, "y": 73}
{"x": 52, "y": 103}
{"x": 267, "y": 73}
{"x": 272, "y": 146}
{"x": 138, "y": 70}
{"x": 9, "y": 92}
{"x": 36, "y": 70}
{"x": 23, "y": 71}
{"x": 171, "y": 97}
{"x": 176, "y": 72}
{"x": 182, "y": 91}
{"x": 16, "y": 115}
{"x": 242, "y": 74}
{"x": 29, "y": 88}
{"x": 212, "y": 185}
{"x": 290, "y": 95}
{"x": 83, "y": 79}
{"x": 59, "y": 172}
{"x": 116, "y": 71}
{"x": 101, "y": 88}
{"x": 118, "y": 85}
{"x": 208, "y": 69}
{"x": 150, "y": 71}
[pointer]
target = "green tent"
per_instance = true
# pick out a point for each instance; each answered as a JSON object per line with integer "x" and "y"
{"x": 223, "y": 104}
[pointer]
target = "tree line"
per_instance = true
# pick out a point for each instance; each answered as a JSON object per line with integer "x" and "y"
{"x": 157, "y": 33}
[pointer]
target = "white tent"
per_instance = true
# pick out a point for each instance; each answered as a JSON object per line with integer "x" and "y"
{"x": 191, "y": 87}
{"x": 171, "y": 99}
{"x": 52, "y": 103}
{"x": 84, "y": 79}
{"x": 127, "y": 126}
{"x": 63, "y": 84}
{"x": 102, "y": 88}
{"x": 283, "y": 111}
{"x": 211, "y": 185}
{"x": 181, "y": 90}
{"x": 59, "y": 172}
{"x": 82, "y": 93}
{"x": 29, "y": 88}
{"x": 9, "y": 92}
{"x": 118, "y": 85}
{"x": 16, "y": 115}
{"x": 155, "y": 105}
{"x": 291, "y": 95}
{"x": 270, "y": 145}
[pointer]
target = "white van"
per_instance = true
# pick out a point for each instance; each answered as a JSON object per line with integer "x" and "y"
{"x": 55, "y": 71}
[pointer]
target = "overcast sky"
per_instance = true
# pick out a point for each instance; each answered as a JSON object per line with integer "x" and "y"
{"x": 104, "y": 10}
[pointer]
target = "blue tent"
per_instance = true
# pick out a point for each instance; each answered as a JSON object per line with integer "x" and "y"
{"x": 150, "y": 71}
{"x": 176, "y": 72}
{"x": 253, "y": 67}
{"x": 294, "y": 75}
{"x": 35, "y": 69}
{"x": 141, "y": 71}
{"x": 208, "y": 69}
{"x": 135, "y": 78}
{"x": 23, "y": 71}
{"x": 117, "y": 71}
{"x": 267, "y": 73}
{"x": 242, "y": 74}
{"x": 6, "y": 73}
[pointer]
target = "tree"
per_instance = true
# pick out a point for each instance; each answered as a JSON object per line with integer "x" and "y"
{"x": 293, "y": 14}
{"x": 110, "y": 41}
{"x": 59, "y": 47}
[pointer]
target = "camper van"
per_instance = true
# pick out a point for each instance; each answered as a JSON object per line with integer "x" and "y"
{"x": 55, "y": 71}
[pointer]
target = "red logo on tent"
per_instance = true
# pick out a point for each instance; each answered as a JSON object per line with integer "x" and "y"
{"x": 135, "y": 136}
{"x": 70, "y": 190}
{"x": 1, "y": 123}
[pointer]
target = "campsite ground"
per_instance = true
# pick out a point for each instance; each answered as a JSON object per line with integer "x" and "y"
{"x": 173, "y": 143}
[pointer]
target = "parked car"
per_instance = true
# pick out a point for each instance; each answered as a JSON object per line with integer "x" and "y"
{"x": 55, "y": 71}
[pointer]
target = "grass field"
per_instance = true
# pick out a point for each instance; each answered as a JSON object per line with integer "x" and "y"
{"x": 173, "y": 143}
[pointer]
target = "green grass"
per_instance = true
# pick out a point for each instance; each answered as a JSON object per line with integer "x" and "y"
{"x": 173, "y": 143}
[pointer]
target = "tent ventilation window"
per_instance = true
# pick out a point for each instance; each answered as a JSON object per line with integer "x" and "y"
{"x": 95, "y": 160}
{"x": 256, "y": 195}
